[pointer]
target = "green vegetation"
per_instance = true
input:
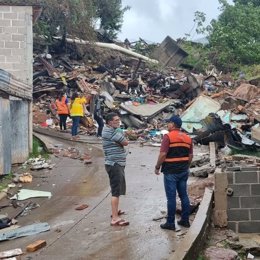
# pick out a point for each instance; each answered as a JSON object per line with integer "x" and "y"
{"x": 38, "y": 149}
{"x": 234, "y": 39}
{"x": 246, "y": 152}
{"x": 5, "y": 180}
{"x": 78, "y": 18}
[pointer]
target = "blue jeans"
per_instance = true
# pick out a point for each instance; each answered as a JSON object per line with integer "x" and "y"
{"x": 173, "y": 182}
{"x": 75, "y": 125}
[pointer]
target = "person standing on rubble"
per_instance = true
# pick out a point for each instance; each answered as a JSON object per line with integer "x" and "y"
{"x": 174, "y": 160}
{"x": 114, "y": 142}
{"x": 97, "y": 101}
{"x": 76, "y": 112}
{"x": 62, "y": 110}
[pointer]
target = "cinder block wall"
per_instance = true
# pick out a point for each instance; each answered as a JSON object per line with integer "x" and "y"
{"x": 16, "y": 45}
{"x": 243, "y": 207}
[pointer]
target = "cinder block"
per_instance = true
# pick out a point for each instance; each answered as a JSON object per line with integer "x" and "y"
{"x": 249, "y": 227}
{"x": 246, "y": 177}
{"x": 36, "y": 246}
{"x": 2, "y": 58}
{"x": 255, "y": 189}
{"x": 10, "y": 16}
{"x": 18, "y": 52}
{"x": 238, "y": 214}
{"x": 11, "y": 45}
{"x": 233, "y": 202}
{"x": 14, "y": 59}
{"x": 10, "y": 30}
{"x": 230, "y": 176}
{"x": 5, "y": 23}
{"x": 18, "y": 37}
{"x": 5, "y": 9}
{"x": 6, "y": 37}
{"x": 252, "y": 202}
{"x": 18, "y": 23}
{"x": 250, "y": 169}
{"x": 255, "y": 214}
{"x": 6, "y": 66}
{"x": 5, "y": 52}
{"x": 232, "y": 225}
{"x": 240, "y": 190}
{"x": 2, "y": 43}
{"x": 234, "y": 168}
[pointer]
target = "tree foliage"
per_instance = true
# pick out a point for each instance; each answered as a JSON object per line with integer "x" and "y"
{"x": 110, "y": 13}
{"x": 235, "y": 36}
{"x": 77, "y": 18}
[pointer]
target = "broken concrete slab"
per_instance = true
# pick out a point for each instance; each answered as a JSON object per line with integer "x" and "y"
{"x": 11, "y": 253}
{"x": 25, "y": 231}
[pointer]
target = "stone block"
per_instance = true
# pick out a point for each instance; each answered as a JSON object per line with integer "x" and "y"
{"x": 255, "y": 214}
{"x": 246, "y": 177}
{"x": 10, "y": 30}
{"x": 232, "y": 225}
{"x": 18, "y": 37}
{"x": 10, "y": 16}
{"x": 5, "y": 23}
{"x": 249, "y": 227}
{"x": 233, "y": 202}
{"x": 252, "y": 202}
{"x": 5, "y": 9}
{"x": 230, "y": 176}
{"x": 238, "y": 214}
{"x": 240, "y": 190}
{"x": 18, "y": 23}
{"x": 18, "y": 52}
{"x": 15, "y": 59}
{"x": 2, "y": 43}
{"x": 11, "y": 45}
{"x": 6, "y": 37}
{"x": 2, "y": 58}
{"x": 255, "y": 189}
{"x": 5, "y": 52}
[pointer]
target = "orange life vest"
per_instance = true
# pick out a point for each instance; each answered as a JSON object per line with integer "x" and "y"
{"x": 62, "y": 107}
{"x": 177, "y": 158}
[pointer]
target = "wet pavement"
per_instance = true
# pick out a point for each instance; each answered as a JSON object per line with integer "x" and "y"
{"x": 87, "y": 234}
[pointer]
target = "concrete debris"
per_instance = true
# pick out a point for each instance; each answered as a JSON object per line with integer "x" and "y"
{"x": 11, "y": 253}
{"x": 217, "y": 253}
{"x": 24, "y": 231}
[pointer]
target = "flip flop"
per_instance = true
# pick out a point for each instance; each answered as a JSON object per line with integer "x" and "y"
{"x": 120, "y": 223}
{"x": 120, "y": 212}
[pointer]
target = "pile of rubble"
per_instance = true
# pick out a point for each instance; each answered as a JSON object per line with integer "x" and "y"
{"x": 214, "y": 108}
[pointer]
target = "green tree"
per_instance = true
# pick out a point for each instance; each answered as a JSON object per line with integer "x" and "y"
{"x": 67, "y": 17}
{"x": 246, "y": 2}
{"x": 235, "y": 37}
{"x": 110, "y": 13}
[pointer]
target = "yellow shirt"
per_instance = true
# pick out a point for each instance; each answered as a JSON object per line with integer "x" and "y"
{"x": 77, "y": 107}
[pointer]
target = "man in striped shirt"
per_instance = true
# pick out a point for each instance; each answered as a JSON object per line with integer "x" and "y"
{"x": 115, "y": 160}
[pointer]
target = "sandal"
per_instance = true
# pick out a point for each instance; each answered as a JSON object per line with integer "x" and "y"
{"x": 120, "y": 212}
{"x": 120, "y": 223}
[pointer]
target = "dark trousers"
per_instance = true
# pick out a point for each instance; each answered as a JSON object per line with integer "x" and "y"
{"x": 173, "y": 182}
{"x": 100, "y": 124}
{"x": 75, "y": 125}
{"x": 63, "y": 119}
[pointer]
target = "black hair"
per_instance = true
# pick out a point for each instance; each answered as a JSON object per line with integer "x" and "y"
{"x": 110, "y": 117}
{"x": 61, "y": 94}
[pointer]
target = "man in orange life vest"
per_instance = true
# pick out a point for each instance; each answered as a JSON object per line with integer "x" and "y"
{"x": 174, "y": 160}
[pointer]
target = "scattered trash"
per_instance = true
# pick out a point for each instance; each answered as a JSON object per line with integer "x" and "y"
{"x": 36, "y": 245}
{"x": 81, "y": 207}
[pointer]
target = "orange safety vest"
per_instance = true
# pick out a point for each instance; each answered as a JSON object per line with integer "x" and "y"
{"x": 62, "y": 107}
{"x": 177, "y": 158}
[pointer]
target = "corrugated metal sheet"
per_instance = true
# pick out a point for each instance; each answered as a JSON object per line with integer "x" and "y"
{"x": 20, "y": 124}
{"x": 5, "y": 137}
{"x": 9, "y": 84}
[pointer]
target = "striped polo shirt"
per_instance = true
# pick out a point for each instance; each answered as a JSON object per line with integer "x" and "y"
{"x": 113, "y": 150}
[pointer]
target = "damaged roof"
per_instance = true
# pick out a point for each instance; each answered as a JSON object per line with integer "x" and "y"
{"x": 21, "y": 2}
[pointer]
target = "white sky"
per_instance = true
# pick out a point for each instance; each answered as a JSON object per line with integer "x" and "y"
{"x": 153, "y": 20}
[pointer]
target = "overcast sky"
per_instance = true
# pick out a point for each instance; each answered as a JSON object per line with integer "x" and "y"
{"x": 153, "y": 20}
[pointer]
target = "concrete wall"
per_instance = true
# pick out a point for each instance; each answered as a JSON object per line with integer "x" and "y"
{"x": 16, "y": 41}
{"x": 243, "y": 207}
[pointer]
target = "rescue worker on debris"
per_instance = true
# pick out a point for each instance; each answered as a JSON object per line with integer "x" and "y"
{"x": 62, "y": 110}
{"x": 77, "y": 107}
{"x": 174, "y": 160}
